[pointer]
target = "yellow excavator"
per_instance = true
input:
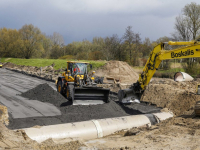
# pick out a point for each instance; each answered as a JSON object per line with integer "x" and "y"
{"x": 188, "y": 49}
{"x": 76, "y": 85}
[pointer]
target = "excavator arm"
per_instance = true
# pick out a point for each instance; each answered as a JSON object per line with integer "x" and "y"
{"x": 188, "y": 50}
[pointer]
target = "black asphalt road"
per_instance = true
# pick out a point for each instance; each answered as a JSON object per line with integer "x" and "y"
{"x": 12, "y": 84}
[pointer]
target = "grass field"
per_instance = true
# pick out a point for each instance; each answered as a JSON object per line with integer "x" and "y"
{"x": 139, "y": 70}
{"x": 59, "y": 63}
{"x": 161, "y": 73}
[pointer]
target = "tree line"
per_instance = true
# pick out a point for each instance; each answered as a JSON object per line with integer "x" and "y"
{"x": 30, "y": 42}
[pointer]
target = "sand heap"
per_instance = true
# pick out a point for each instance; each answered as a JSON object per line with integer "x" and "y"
{"x": 118, "y": 70}
{"x": 179, "y": 97}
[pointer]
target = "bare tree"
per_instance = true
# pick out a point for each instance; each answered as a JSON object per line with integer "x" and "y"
{"x": 107, "y": 48}
{"x": 182, "y": 28}
{"x": 187, "y": 25}
{"x": 192, "y": 15}
{"x": 57, "y": 39}
{"x": 117, "y": 51}
{"x": 129, "y": 38}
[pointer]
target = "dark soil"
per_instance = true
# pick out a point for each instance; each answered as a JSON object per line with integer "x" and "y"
{"x": 45, "y": 93}
{"x": 76, "y": 113}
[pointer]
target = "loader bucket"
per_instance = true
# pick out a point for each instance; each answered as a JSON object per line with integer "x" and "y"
{"x": 128, "y": 96}
{"x": 90, "y": 95}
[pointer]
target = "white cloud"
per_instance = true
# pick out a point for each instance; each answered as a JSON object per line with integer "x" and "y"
{"x": 107, "y": 6}
{"x": 80, "y": 19}
{"x": 120, "y": 6}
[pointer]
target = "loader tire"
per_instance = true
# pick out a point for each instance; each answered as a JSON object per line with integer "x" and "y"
{"x": 70, "y": 92}
{"x": 59, "y": 87}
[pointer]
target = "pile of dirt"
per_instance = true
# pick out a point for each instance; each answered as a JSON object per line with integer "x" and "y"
{"x": 14, "y": 139}
{"x": 45, "y": 93}
{"x": 178, "y": 97}
{"x": 8, "y": 65}
{"x": 119, "y": 70}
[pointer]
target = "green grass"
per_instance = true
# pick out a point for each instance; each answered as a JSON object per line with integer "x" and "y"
{"x": 162, "y": 70}
{"x": 2, "y": 59}
{"x": 59, "y": 63}
{"x": 161, "y": 73}
{"x": 171, "y": 70}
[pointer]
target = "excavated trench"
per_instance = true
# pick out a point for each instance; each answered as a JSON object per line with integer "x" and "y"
{"x": 75, "y": 113}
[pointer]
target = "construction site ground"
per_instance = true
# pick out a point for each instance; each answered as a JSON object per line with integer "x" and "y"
{"x": 34, "y": 102}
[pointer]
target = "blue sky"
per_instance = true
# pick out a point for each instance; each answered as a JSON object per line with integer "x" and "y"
{"x": 76, "y": 20}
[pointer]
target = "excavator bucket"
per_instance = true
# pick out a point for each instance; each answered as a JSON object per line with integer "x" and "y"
{"x": 90, "y": 95}
{"x": 128, "y": 96}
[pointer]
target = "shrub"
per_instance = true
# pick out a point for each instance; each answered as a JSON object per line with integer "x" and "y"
{"x": 192, "y": 68}
{"x": 67, "y": 57}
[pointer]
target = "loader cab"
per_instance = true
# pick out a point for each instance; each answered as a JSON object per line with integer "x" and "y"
{"x": 77, "y": 68}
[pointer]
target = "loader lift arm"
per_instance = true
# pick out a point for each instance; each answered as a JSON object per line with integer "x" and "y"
{"x": 190, "y": 50}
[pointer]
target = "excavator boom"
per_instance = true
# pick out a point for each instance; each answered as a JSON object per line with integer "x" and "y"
{"x": 192, "y": 49}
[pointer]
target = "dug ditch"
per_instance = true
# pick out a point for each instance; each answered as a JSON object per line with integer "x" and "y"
{"x": 75, "y": 113}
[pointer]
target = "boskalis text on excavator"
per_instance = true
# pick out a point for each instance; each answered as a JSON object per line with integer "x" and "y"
{"x": 188, "y": 49}
{"x": 78, "y": 87}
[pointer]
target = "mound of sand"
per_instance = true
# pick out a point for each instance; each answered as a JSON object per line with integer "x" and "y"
{"x": 119, "y": 70}
{"x": 179, "y": 97}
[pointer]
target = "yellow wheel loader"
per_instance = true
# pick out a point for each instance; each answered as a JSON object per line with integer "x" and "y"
{"x": 78, "y": 87}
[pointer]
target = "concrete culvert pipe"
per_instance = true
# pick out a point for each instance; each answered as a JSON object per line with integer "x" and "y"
{"x": 94, "y": 128}
{"x": 182, "y": 76}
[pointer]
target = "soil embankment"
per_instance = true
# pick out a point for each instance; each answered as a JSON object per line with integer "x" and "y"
{"x": 178, "y": 97}
{"x": 118, "y": 70}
